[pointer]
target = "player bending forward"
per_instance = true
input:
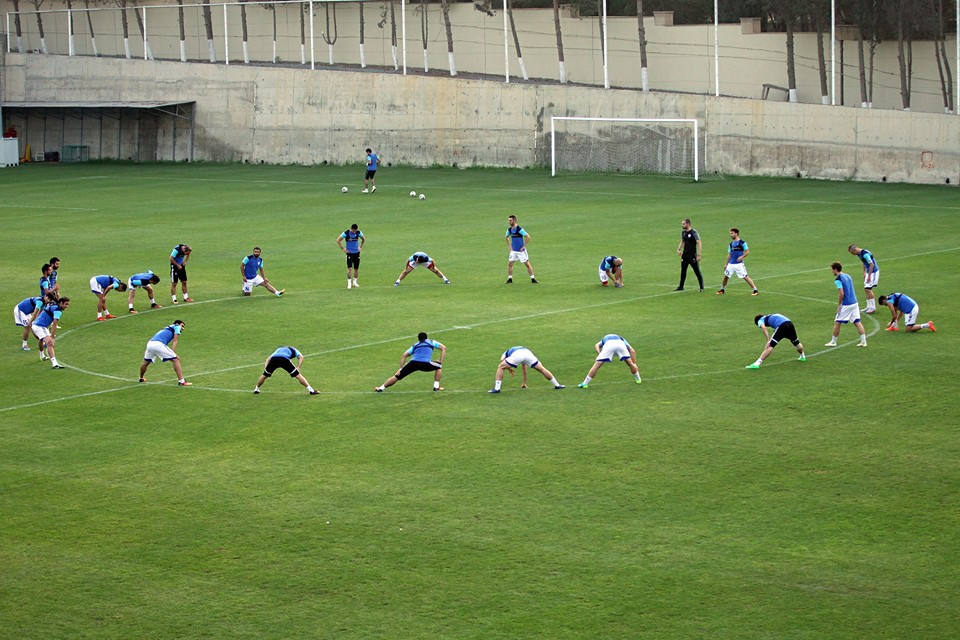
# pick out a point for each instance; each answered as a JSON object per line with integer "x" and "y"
{"x": 282, "y": 358}
{"x": 903, "y": 306}
{"x": 521, "y": 357}
{"x": 420, "y": 355}
{"x": 612, "y": 346}
{"x": 783, "y": 329}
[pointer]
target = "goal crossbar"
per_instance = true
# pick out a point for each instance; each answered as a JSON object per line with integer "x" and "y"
{"x": 691, "y": 121}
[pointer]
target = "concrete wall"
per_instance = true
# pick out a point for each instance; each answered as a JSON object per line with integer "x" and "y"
{"x": 680, "y": 57}
{"x": 278, "y": 115}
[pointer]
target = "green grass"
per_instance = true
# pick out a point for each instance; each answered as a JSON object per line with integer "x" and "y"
{"x": 814, "y": 500}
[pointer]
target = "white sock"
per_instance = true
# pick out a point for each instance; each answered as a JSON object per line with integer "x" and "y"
{"x": 174, "y": 298}
{"x": 53, "y": 362}
{"x": 181, "y": 380}
{"x": 436, "y": 385}
{"x": 25, "y": 343}
{"x": 355, "y": 282}
{"x": 130, "y": 305}
{"x": 349, "y": 283}
{"x": 310, "y": 389}
{"x": 587, "y": 380}
{"x": 532, "y": 276}
{"x": 863, "y": 339}
{"x": 152, "y": 301}
{"x": 278, "y": 294}
{"x": 554, "y": 382}
{"x": 758, "y": 362}
{"x": 106, "y": 312}
{"x": 925, "y": 325}
{"x": 636, "y": 376}
{"x": 99, "y": 315}
{"x": 381, "y": 388}
{"x": 497, "y": 384}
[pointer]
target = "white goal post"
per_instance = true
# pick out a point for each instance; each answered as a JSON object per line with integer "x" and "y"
{"x": 666, "y": 146}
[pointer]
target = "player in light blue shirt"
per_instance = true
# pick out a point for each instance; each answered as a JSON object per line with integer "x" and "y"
{"x": 903, "y": 306}
{"x": 143, "y": 280}
{"x": 54, "y": 275}
{"x": 871, "y": 275}
{"x": 44, "y": 327}
{"x": 783, "y": 329}
{"x": 417, "y": 260}
{"x": 734, "y": 265}
{"x": 847, "y": 308}
{"x": 282, "y": 358}
{"x": 421, "y": 359}
{"x": 24, "y": 314}
{"x": 100, "y": 286}
{"x": 612, "y": 346}
{"x": 521, "y": 357}
{"x": 517, "y": 239}
{"x": 162, "y": 347}
{"x": 178, "y": 271}
{"x": 46, "y": 284}
{"x": 252, "y": 275}
{"x": 373, "y": 162}
{"x": 354, "y": 239}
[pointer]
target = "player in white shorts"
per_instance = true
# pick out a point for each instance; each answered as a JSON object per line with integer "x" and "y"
{"x": 161, "y": 347}
{"x": 24, "y": 314}
{"x": 733, "y": 265}
{"x": 521, "y": 357}
{"x": 847, "y": 309}
{"x": 612, "y": 346}
{"x": 517, "y": 239}
{"x": 871, "y": 275}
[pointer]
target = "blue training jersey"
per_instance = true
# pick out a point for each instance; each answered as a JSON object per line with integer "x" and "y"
{"x": 736, "y": 249}
{"x": 773, "y": 320}
{"x": 607, "y": 263}
{"x": 419, "y": 256}
{"x": 612, "y": 336}
{"x": 423, "y": 351}
{"x": 108, "y": 282}
{"x": 166, "y": 334}
{"x": 867, "y": 259}
{"x": 372, "y": 161}
{"x": 53, "y": 277}
{"x": 517, "y": 237}
{"x": 286, "y": 352}
{"x": 30, "y": 305}
{"x": 251, "y": 264}
{"x": 353, "y": 240}
{"x": 845, "y": 282}
{"x": 902, "y": 301}
{"x": 178, "y": 254}
{"x": 45, "y": 285}
{"x": 50, "y": 313}
{"x": 140, "y": 279}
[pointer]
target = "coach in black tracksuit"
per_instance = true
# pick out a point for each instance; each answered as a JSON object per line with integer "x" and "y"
{"x": 689, "y": 251}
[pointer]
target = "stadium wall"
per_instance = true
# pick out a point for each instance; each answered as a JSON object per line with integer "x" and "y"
{"x": 283, "y": 115}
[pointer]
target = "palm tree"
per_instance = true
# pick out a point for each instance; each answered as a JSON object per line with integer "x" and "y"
{"x": 556, "y": 24}
{"x": 328, "y": 37}
{"x": 445, "y": 7}
{"x": 644, "y": 76}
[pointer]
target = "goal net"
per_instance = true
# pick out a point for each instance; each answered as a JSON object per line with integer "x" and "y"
{"x": 653, "y": 146}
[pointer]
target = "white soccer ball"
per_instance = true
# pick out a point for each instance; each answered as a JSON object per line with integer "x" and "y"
{"x": 422, "y": 197}
{"x": 413, "y": 194}
{"x": 344, "y": 190}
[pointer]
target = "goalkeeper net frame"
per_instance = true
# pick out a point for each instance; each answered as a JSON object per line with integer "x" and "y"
{"x": 615, "y": 145}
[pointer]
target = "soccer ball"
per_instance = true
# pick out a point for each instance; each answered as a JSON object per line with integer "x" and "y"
{"x": 344, "y": 190}
{"x": 413, "y": 194}
{"x": 422, "y": 197}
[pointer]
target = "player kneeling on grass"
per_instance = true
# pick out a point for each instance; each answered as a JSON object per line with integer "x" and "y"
{"x": 282, "y": 358}
{"x": 144, "y": 280}
{"x": 414, "y": 262}
{"x": 903, "y": 306}
{"x": 521, "y": 357}
{"x": 611, "y": 268}
{"x": 101, "y": 286}
{"x": 783, "y": 329}
{"x": 420, "y": 355}
{"x": 251, "y": 273}
{"x": 44, "y": 327}
{"x": 162, "y": 346}
{"x": 612, "y": 346}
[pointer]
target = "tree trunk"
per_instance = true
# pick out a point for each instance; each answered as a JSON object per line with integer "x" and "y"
{"x": 16, "y": 24}
{"x": 363, "y": 59}
{"x": 423, "y": 34}
{"x": 393, "y": 37}
{"x": 183, "y": 33}
{"x": 948, "y": 72}
{"x": 143, "y": 35}
{"x": 273, "y": 14}
{"x": 445, "y": 8}
{"x": 821, "y": 61}
{"x": 791, "y": 63}
{"x": 208, "y": 23}
{"x": 873, "y": 52}
{"x": 93, "y": 38}
{"x": 516, "y": 40}
{"x": 902, "y": 60}
{"x": 126, "y": 28}
{"x": 303, "y": 35}
{"x": 243, "y": 27}
{"x": 864, "y": 101}
{"x": 556, "y": 26}
{"x": 71, "y": 41}
{"x": 329, "y": 37}
{"x": 43, "y": 39}
{"x": 642, "y": 34}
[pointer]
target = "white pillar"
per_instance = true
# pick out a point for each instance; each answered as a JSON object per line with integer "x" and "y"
{"x": 506, "y": 43}
{"x": 606, "y": 65}
{"x": 403, "y": 32}
{"x": 833, "y": 52}
{"x": 312, "y": 59}
{"x": 226, "y": 37}
{"x": 716, "y": 47}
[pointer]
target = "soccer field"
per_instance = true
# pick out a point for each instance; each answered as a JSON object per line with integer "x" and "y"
{"x": 800, "y": 500}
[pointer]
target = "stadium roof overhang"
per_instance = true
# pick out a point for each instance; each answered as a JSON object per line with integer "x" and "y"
{"x": 182, "y": 110}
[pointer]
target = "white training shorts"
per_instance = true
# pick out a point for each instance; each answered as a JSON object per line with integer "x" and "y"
{"x": 95, "y": 286}
{"x": 156, "y": 349}
{"x": 40, "y": 332}
{"x": 248, "y": 285}
{"x": 735, "y": 269}
{"x": 21, "y": 319}
{"x": 603, "y": 275}
{"x": 614, "y": 349}
{"x": 522, "y": 356}
{"x": 518, "y": 255}
{"x": 417, "y": 265}
{"x": 910, "y": 319}
{"x": 870, "y": 280}
{"x": 848, "y": 313}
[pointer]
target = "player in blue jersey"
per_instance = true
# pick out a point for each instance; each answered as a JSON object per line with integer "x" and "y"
{"x": 144, "y": 280}
{"x": 373, "y": 162}
{"x": 736, "y": 252}
{"x": 44, "y": 327}
{"x": 354, "y": 239}
{"x": 871, "y": 275}
{"x": 612, "y": 346}
{"x": 415, "y": 262}
{"x": 421, "y": 359}
{"x": 521, "y": 357}
{"x": 47, "y": 286}
{"x": 847, "y": 309}
{"x": 517, "y": 239}
{"x": 101, "y": 286}
{"x": 178, "y": 271}
{"x": 251, "y": 274}
{"x": 54, "y": 276}
{"x": 163, "y": 346}
{"x": 282, "y": 358}
{"x": 903, "y": 306}
{"x": 24, "y": 314}
{"x": 611, "y": 268}
{"x": 783, "y": 329}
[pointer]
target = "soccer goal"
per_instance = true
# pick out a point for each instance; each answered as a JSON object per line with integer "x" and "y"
{"x": 661, "y": 146}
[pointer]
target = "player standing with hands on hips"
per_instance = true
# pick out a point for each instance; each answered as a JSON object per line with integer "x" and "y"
{"x": 178, "y": 271}
{"x": 518, "y": 239}
{"x": 373, "y": 161}
{"x": 355, "y": 240}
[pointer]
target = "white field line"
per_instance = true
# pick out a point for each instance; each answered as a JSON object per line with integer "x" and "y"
{"x": 61, "y": 399}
